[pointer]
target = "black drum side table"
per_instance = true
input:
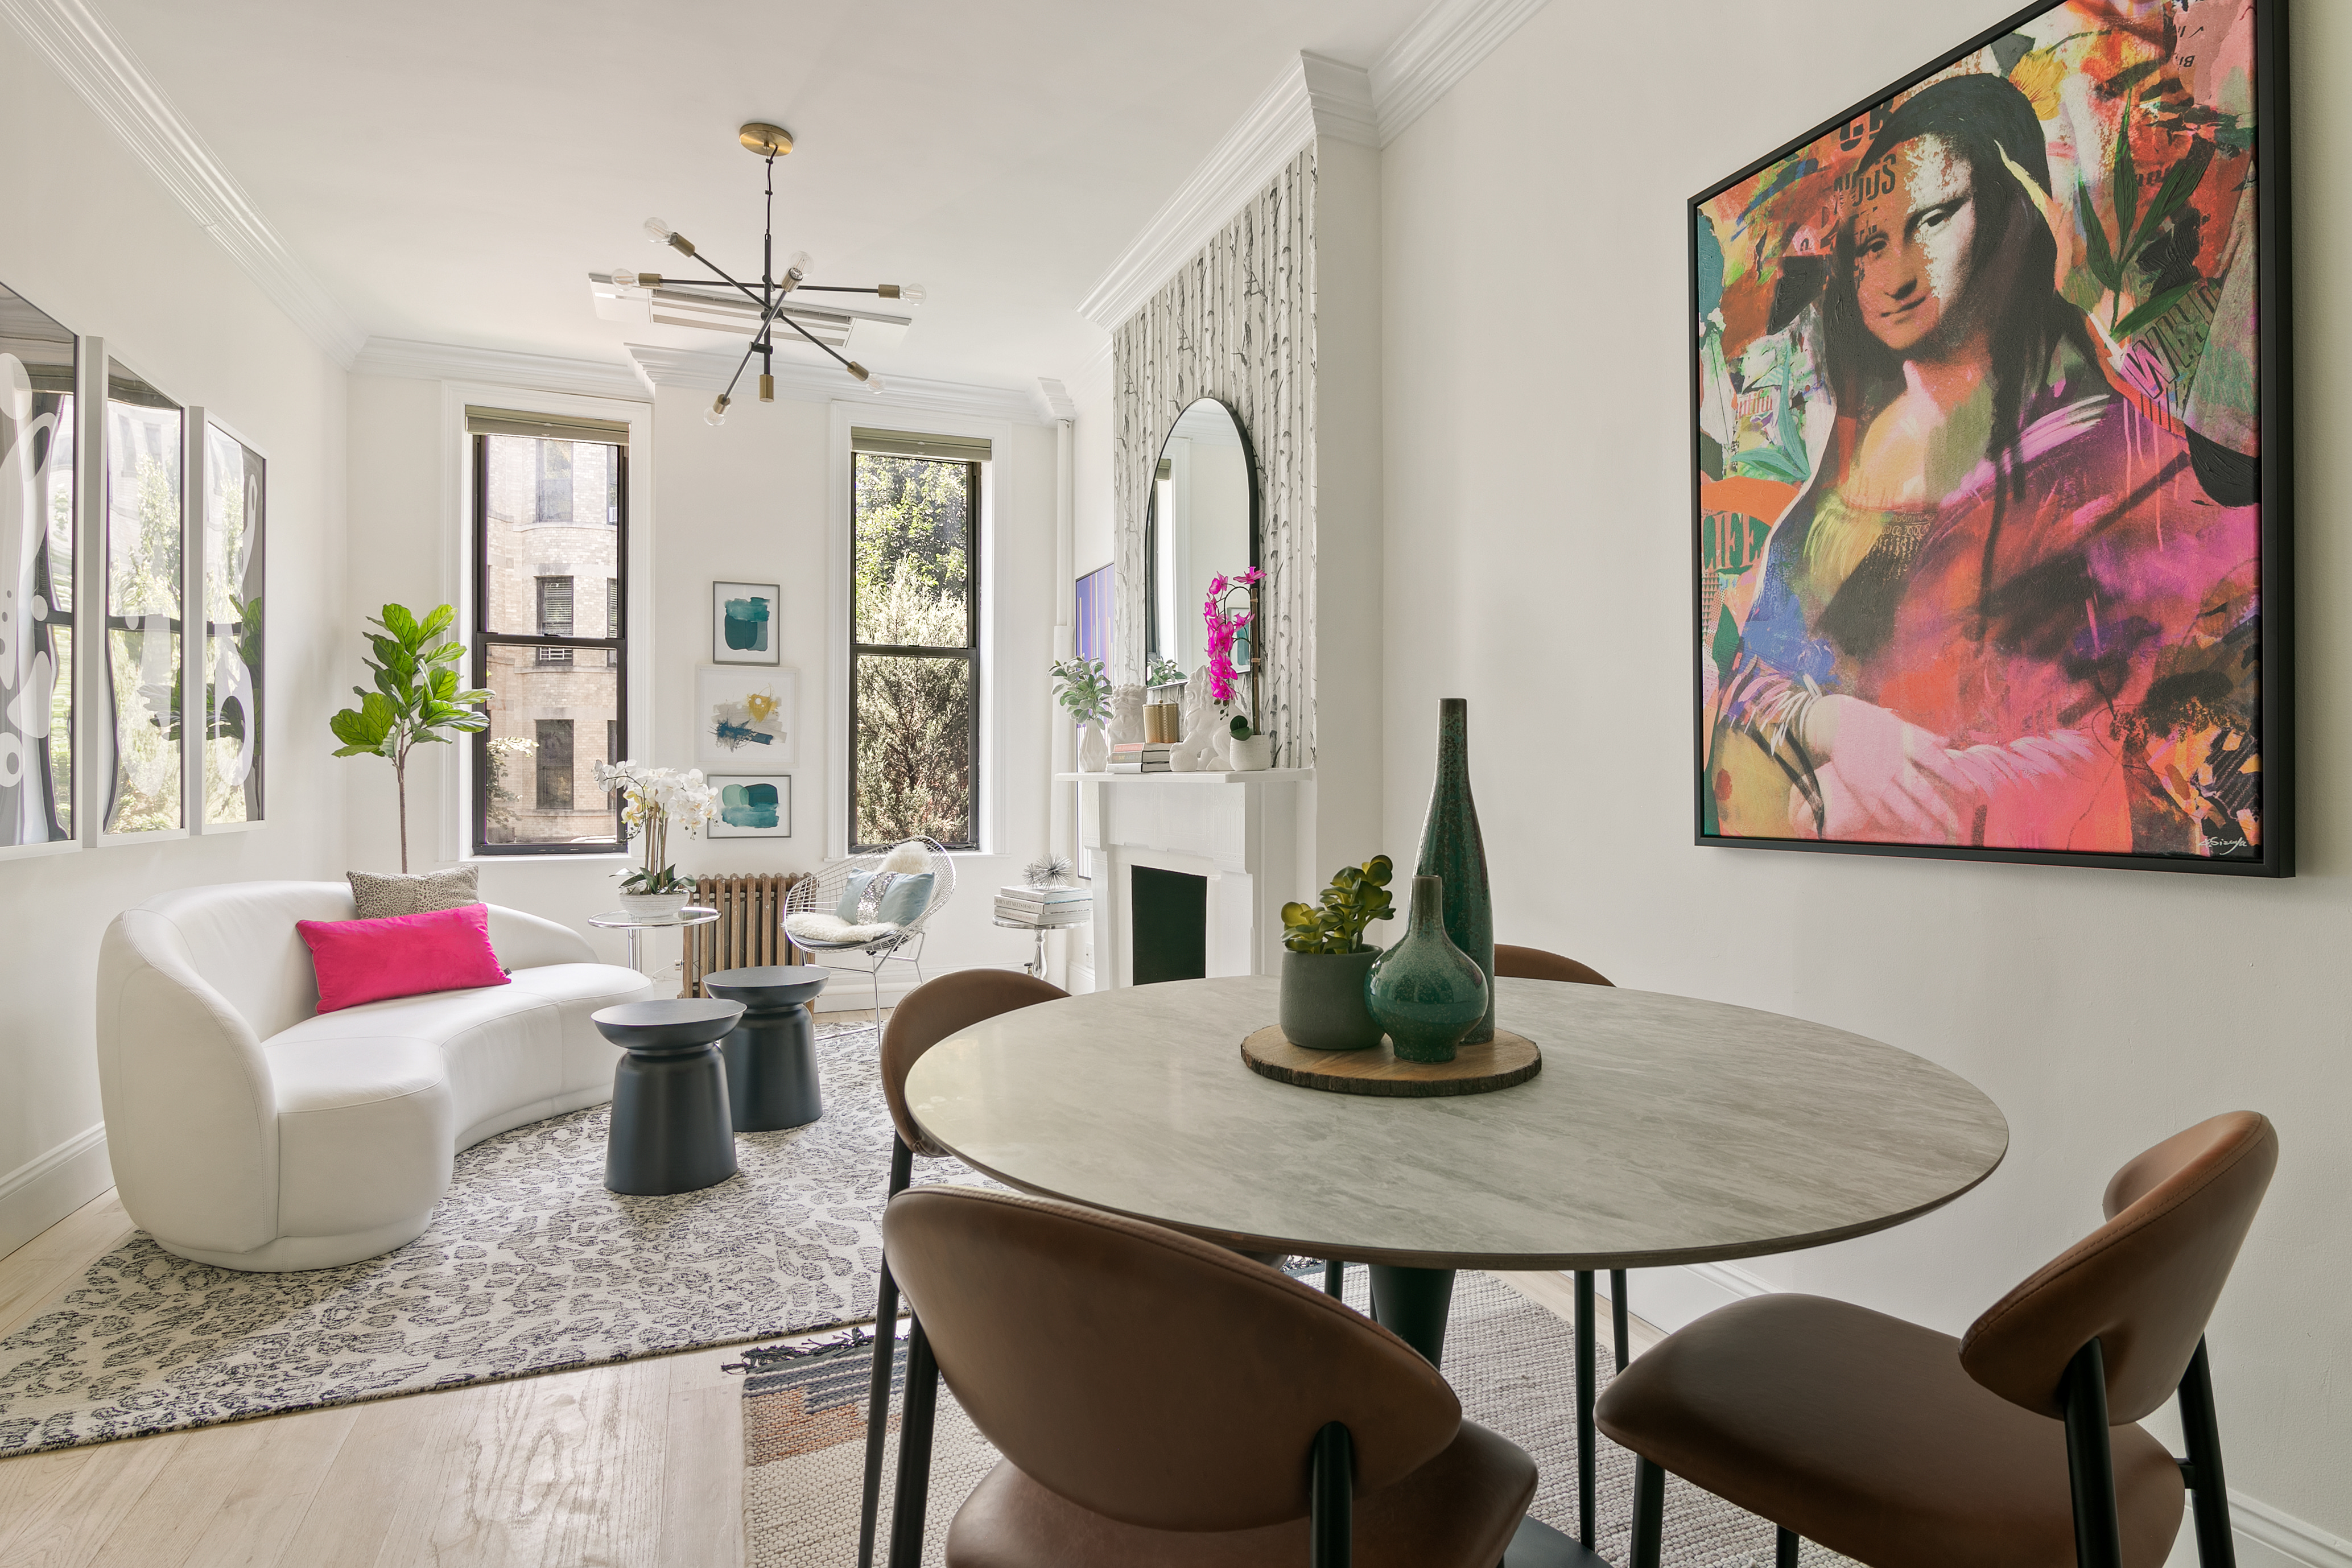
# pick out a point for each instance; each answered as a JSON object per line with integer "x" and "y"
{"x": 770, "y": 1056}
{"x": 671, "y": 1131}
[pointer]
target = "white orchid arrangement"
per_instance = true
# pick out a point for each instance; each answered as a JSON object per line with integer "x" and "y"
{"x": 653, "y": 800}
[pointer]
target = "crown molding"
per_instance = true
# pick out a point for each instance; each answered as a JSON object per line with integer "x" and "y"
{"x": 1053, "y": 400}
{"x": 501, "y": 367}
{"x": 701, "y": 370}
{"x": 1312, "y": 97}
{"x": 1439, "y": 49}
{"x": 84, "y": 50}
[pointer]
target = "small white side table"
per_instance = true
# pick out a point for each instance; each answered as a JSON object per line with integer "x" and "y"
{"x": 621, "y": 920}
{"x": 1037, "y": 964}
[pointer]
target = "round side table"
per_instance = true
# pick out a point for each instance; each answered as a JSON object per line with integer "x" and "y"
{"x": 621, "y": 920}
{"x": 770, "y": 1056}
{"x": 671, "y": 1131}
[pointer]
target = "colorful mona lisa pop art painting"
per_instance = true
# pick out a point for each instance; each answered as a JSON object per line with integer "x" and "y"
{"x": 1990, "y": 405}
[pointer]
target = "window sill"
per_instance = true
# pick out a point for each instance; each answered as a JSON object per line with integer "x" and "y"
{"x": 536, "y": 860}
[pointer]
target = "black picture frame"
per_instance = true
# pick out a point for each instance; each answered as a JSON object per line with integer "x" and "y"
{"x": 2275, "y": 498}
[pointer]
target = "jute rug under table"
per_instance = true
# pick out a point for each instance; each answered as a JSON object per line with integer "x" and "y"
{"x": 1511, "y": 1362}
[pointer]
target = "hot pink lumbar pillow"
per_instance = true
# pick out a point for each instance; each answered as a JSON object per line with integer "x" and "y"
{"x": 402, "y": 955}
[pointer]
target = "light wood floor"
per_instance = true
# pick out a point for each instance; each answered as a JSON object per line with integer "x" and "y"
{"x": 635, "y": 1466}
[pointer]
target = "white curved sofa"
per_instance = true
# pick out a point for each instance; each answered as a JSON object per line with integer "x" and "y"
{"x": 250, "y": 1132}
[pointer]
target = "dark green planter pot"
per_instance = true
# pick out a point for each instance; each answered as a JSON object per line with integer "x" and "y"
{"x": 1452, "y": 851}
{"x": 1425, "y": 990}
{"x": 1323, "y": 1000}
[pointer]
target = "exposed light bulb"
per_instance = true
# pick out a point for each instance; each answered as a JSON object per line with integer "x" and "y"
{"x": 657, "y": 231}
{"x": 912, "y": 293}
{"x": 717, "y": 414}
{"x": 797, "y": 270}
{"x": 624, "y": 279}
{"x": 873, "y": 381}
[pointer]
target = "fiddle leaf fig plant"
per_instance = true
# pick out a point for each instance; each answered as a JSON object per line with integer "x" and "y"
{"x": 1357, "y": 897}
{"x": 1083, "y": 686}
{"x": 415, "y": 699}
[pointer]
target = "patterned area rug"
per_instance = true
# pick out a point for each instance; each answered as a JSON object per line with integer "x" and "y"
{"x": 530, "y": 1266}
{"x": 1511, "y": 1362}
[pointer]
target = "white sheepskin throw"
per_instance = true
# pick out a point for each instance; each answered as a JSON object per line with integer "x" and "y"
{"x": 815, "y": 927}
{"x": 908, "y": 859}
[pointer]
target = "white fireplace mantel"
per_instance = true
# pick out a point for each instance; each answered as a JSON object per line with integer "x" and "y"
{"x": 1240, "y": 831}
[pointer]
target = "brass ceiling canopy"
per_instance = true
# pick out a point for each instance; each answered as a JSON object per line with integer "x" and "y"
{"x": 766, "y": 140}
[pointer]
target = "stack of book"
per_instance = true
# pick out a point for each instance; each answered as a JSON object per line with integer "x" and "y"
{"x": 1045, "y": 906}
{"x": 1140, "y": 757}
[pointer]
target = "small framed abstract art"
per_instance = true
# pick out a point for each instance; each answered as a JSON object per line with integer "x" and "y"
{"x": 752, "y": 805}
{"x": 746, "y": 718}
{"x": 743, "y": 622}
{"x": 1990, "y": 403}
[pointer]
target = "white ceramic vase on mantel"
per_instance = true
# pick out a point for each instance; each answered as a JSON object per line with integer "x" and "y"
{"x": 1253, "y": 755}
{"x": 1094, "y": 751}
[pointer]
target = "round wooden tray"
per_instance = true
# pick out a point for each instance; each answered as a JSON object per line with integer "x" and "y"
{"x": 1506, "y": 1060}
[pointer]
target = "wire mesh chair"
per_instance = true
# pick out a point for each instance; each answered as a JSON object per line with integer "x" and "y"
{"x": 821, "y": 895}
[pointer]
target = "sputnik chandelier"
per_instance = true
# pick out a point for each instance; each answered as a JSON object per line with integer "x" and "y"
{"x": 767, "y": 296}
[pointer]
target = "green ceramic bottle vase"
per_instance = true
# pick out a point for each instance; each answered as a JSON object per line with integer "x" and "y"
{"x": 1425, "y": 990}
{"x": 1452, "y": 851}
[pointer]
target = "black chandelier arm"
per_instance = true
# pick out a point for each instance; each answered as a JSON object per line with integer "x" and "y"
{"x": 804, "y": 332}
{"x": 832, "y": 288}
{"x": 758, "y": 337}
{"x": 741, "y": 289}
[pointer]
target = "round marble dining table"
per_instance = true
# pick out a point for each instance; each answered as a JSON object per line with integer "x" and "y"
{"x": 1661, "y": 1130}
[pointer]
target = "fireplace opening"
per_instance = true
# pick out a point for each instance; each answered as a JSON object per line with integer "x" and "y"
{"x": 1168, "y": 933}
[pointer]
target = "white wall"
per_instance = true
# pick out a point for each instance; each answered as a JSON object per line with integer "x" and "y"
{"x": 1538, "y": 563}
{"x": 749, "y": 502}
{"x": 93, "y": 241}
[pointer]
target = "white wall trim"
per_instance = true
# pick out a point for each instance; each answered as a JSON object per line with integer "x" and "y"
{"x": 506, "y": 367}
{"x": 98, "y": 65}
{"x": 47, "y": 1187}
{"x": 1438, "y": 50}
{"x": 2256, "y": 1521}
{"x": 704, "y": 370}
{"x": 1312, "y": 97}
{"x": 1053, "y": 400}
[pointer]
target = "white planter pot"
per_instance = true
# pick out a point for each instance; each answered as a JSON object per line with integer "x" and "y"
{"x": 1094, "y": 751}
{"x": 652, "y": 906}
{"x": 1251, "y": 755}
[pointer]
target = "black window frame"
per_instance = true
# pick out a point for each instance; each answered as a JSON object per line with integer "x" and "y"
{"x": 484, "y": 639}
{"x": 970, "y": 654}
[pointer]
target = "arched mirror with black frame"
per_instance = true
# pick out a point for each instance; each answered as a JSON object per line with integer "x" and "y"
{"x": 1202, "y": 522}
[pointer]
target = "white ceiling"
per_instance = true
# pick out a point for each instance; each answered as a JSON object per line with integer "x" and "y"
{"x": 452, "y": 172}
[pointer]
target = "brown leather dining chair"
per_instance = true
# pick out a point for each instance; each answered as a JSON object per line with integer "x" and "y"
{"x": 1534, "y": 964}
{"x": 1164, "y": 1403}
{"x": 2017, "y": 1443}
{"x": 926, "y": 1016}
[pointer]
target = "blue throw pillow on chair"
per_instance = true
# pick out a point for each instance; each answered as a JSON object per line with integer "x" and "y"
{"x": 907, "y": 900}
{"x": 853, "y": 896}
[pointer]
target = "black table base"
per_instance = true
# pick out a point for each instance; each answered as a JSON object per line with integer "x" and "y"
{"x": 771, "y": 1080}
{"x": 671, "y": 1131}
{"x": 1414, "y": 1303}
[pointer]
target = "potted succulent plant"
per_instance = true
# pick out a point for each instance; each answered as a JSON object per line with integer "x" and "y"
{"x": 653, "y": 800}
{"x": 1323, "y": 973}
{"x": 1252, "y": 750}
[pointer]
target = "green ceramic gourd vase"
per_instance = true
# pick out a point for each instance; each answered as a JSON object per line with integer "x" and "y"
{"x": 1452, "y": 851}
{"x": 1425, "y": 990}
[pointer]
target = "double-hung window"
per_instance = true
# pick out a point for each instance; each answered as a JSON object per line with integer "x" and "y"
{"x": 914, "y": 654}
{"x": 550, "y": 526}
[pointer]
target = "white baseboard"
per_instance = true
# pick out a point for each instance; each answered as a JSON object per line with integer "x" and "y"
{"x": 2267, "y": 1538}
{"x": 42, "y": 1191}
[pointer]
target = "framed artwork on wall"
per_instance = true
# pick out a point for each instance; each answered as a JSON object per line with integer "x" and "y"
{"x": 39, "y": 360}
{"x": 143, "y": 758}
{"x": 745, "y": 623}
{"x": 744, "y": 718}
{"x": 752, "y": 805}
{"x": 1989, "y": 451}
